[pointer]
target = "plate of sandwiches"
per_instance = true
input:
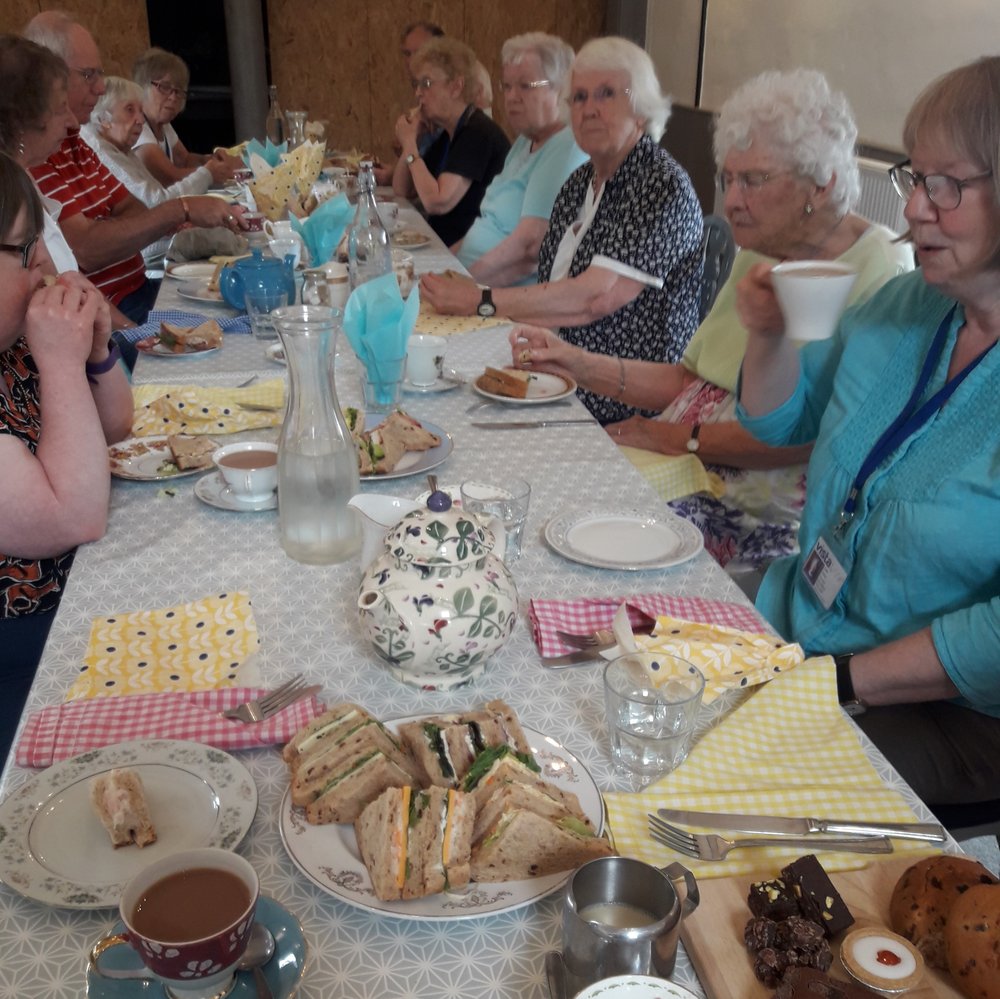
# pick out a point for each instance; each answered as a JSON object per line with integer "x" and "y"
{"x": 171, "y": 456}
{"x": 440, "y": 817}
{"x": 410, "y": 239}
{"x": 523, "y": 388}
{"x": 182, "y": 341}
{"x": 397, "y": 445}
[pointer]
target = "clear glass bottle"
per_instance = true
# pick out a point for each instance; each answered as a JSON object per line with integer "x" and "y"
{"x": 317, "y": 459}
{"x": 368, "y": 253}
{"x": 296, "y": 128}
{"x": 274, "y": 124}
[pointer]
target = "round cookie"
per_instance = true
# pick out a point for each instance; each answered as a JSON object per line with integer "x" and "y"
{"x": 923, "y": 897}
{"x": 972, "y": 942}
{"x": 882, "y": 960}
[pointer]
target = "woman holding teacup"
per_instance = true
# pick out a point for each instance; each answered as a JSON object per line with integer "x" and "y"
{"x": 784, "y": 147}
{"x": 502, "y": 246}
{"x": 620, "y": 265}
{"x": 900, "y": 559}
{"x": 63, "y": 399}
{"x": 452, "y": 174}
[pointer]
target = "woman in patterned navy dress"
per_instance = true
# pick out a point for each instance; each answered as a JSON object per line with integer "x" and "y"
{"x": 63, "y": 399}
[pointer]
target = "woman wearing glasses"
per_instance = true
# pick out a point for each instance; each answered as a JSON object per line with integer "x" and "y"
{"x": 900, "y": 560}
{"x": 451, "y": 176}
{"x": 63, "y": 399}
{"x": 502, "y": 246}
{"x": 620, "y": 266}
{"x": 164, "y": 79}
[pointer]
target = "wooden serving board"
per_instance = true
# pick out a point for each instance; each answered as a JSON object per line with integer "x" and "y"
{"x": 713, "y": 933}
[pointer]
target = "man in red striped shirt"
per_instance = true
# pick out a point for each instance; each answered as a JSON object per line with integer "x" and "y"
{"x": 105, "y": 226}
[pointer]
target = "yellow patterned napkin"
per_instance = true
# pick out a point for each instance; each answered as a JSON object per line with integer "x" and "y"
{"x": 787, "y": 750}
{"x": 674, "y": 475}
{"x": 194, "y": 646}
{"x": 203, "y": 409}
{"x": 727, "y": 657}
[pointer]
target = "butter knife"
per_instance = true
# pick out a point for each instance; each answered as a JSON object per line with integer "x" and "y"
{"x": 531, "y": 424}
{"x": 930, "y": 831}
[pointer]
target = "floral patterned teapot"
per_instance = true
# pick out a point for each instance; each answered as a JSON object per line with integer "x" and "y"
{"x": 437, "y": 603}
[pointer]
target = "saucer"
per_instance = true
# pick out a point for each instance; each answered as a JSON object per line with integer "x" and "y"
{"x": 283, "y": 972}
{"x": 212, "y": 489}
{"x": 452, "y": 380}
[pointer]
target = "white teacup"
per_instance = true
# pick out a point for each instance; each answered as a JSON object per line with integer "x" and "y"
{"x": 389, "y": 213}
{"x": 424, "y": 359}
{"x": 281, "y": 229}
{"x": 812, "y": 294}
{"x": 250, "y": 469}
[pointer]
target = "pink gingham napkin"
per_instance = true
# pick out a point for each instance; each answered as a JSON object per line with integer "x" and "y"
{"x": 61, "y": 731}
{"x": 583, "y": 614}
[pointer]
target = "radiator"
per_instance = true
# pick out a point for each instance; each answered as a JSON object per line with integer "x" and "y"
{"x": 879, "y": 201}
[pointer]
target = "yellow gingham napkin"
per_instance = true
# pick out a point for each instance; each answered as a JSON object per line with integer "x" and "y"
{"x": 194, "y": 646}
{"x": 787, "y": 750}
{"x": 203, "y": 409}
{"x": 674, "y": 475}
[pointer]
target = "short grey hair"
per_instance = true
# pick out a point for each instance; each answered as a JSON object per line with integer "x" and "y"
{"x": 796, "y": 116}
{"x": 117, "y": 89}
{"x": 51, "y": 29}
{"x": 555, "y": 55}
{"x": 619, "y": 54}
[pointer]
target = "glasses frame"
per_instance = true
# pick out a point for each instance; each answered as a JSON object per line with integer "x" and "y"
{"x": 601, "y": 96}
{"x": 426, "y": 82}
{"x": 90, "y": 74}
{"x": 26, "y": 250}
{"x": 524, "y": 88}
{"x": 749, "y": 180}
{"x": 905, "y": 182}
{"x": 169, "y": 90}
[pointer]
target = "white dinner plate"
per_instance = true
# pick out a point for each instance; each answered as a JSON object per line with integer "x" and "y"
{"x": 151, "y": 345}
{"x": 212, "y": 489}
{"x": 54, "y": 849}
{"x": 410, "y": 239}
{"x": 140, "y": 458}
{"x": 194, "y": 270}
{"x": 413, "y": 462}
{"x": 635, "y": 987}
{"x": 631, "y": 540}
{"x": 542, "y": 388}
{"x": 328, "y": 855}
{"x": 452, "y": 380}
{"x": 198, "y": 291}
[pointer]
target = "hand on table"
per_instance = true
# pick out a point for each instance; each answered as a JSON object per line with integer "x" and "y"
{"x": 650, "y": 435}
{"x": 451, "y": 294}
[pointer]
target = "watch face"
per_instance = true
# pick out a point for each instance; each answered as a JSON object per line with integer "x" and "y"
{"x": 486, "y": 309}
{"x": 854, "y": 708}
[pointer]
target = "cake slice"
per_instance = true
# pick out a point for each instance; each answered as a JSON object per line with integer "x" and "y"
{"x": 119, "y": 800}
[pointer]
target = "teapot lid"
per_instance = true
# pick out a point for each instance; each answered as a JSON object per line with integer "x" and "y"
{"x": 439, "y": 538}
{"x": 257, "y": 260}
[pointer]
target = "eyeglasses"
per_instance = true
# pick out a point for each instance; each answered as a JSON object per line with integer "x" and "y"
{"x": 170, "y": 91}
{"x": 943, "y": 191}
{"x": 747, "y": 180}
{"x": 90, "y": 75}
{"x": 26, "y": 250}
{"x": 602, "y": 95}
{"x": 525, "y": 87}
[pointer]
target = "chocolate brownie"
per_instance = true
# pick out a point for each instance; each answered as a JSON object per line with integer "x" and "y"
{"x": 818, "y": 899}
{"x": 808, "y": 983}
{"x": 773, "y": 899}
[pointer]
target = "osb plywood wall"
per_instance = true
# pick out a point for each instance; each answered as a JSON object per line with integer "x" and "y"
{"x": 340, "y": 61}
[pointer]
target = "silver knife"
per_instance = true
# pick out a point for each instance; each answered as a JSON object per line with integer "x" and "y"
{"x": 531, "y": 424}
{"x": 778, "y": 824}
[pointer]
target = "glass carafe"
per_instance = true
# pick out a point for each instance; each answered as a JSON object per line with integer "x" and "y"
{"x": 317, "y": 459}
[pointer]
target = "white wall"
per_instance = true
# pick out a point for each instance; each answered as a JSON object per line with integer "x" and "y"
{"x": 881, "y": 53}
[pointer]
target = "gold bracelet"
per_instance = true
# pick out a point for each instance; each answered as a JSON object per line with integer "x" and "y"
{"x": 621, "y": 378}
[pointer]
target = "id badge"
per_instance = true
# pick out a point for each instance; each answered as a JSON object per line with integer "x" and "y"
{"x": 823, "y": 573}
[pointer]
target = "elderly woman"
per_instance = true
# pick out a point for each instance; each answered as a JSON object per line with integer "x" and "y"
{"x": 900, "y": 562}
{"x": 164, "y": 79}
{"x": 620, "y": 265}
{"x": 115, "y": 124}
{"x": 56, "y": 373}
{"x": 452, "y": 175}
{"x": 502, "y": 246}
{"x": 784, "y": 146}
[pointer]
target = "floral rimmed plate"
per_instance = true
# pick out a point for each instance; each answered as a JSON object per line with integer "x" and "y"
{"x": 54, "y": 849}
{"x": 147, "y": 459}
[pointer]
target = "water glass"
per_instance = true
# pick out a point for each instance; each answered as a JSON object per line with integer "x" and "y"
{"x": 652, "y": 701}
{"x": 508, "y": 503}
{"x": 260, "y": 303}
{"x": 382, "y": 384}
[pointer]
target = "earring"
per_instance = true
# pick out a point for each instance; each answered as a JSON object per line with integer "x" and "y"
{"x": 809, "y": 208}
{"x": 20, "y": 147}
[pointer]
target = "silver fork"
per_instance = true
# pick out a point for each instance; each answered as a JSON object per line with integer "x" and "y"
{"x": 710, "y": 847}
{"x": 599, "y": 636}
{"x": 269, "y": 704}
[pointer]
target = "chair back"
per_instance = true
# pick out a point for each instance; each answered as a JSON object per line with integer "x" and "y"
{"x": 717, "y": 252}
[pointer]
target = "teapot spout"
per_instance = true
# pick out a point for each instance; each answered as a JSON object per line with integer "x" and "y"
{"x": 369, "y": 599}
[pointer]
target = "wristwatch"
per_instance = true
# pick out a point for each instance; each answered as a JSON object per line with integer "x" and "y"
{"x": 486, "y": 308}
{"x": 849, "y": 701}
{"x": 693, "y": 443}
{"x": 411, "y": 158}
{"x": 114, "y": 356}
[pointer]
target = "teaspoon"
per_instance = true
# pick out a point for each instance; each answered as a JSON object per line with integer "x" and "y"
{"x": 259, "y": 951}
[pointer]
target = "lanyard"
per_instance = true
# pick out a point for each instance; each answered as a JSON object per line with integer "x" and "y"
{"x": 910, "y": 419}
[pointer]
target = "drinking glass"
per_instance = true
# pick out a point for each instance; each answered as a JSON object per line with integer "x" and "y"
{"x": 382, "y": 384}
{"x": 508, "y": 503}
{"x": 652, "y": 701}
{"x": 260, "y": 303}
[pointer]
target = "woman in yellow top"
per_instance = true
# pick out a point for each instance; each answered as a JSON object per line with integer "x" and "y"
{"x": 784, "y": 146}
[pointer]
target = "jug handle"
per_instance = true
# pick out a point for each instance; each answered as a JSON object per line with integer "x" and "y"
{"x": 677, "y": 872}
